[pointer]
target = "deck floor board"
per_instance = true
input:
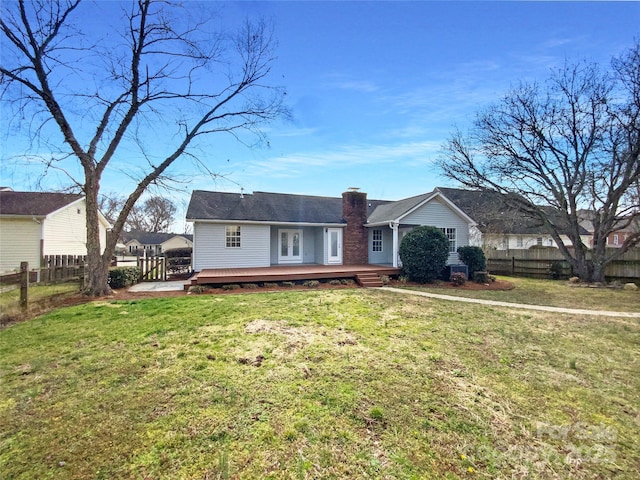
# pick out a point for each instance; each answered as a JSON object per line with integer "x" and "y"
{"x": 280, "y": 273}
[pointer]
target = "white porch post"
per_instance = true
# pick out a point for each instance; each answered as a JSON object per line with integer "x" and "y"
{"x": 394, "y": 230}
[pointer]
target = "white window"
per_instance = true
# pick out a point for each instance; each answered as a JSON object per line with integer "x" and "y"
{"x": 233, "y": 236}
{"x": 616, "y": 239}
{"x": 451, "y": 236}
{"x": 377, "y": 241}
{"x": 539, "y": 241}
{"x": 519, "y": 242}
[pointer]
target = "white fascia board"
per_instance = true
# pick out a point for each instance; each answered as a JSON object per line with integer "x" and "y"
{"x": 279, "y": 224}
{"x": 381, "y": 224}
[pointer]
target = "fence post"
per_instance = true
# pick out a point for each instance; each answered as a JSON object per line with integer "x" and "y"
{"x": 513, "y": 265}
{"x": 24, "y": 285}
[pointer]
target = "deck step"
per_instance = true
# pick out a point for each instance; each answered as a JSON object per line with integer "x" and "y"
{"x": 369, "y": 279}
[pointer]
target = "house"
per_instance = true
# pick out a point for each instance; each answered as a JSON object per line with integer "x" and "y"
{"x": 624, "y": 228}
{"x": 501, "y": 226}
{"x": 264, "y": 229}
{"x": 154, "y": 243}
{"x": 34, "y": 224}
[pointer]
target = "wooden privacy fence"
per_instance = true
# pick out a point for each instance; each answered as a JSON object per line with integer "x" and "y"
{"x": 547, "y": 262}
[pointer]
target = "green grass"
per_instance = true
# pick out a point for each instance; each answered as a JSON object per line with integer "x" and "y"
{"x": 337, "y": 384}
{"x": 39, "y": 296}
{"x": 555, "y": 293}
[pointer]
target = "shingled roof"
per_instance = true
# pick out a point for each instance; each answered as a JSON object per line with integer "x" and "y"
{"x": 494, "y": 215}
{"x": 37, "y": 204}
{"x": 151, "y": 238}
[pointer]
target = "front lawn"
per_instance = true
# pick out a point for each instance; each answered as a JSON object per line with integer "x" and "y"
{"x": 318, "y": 384}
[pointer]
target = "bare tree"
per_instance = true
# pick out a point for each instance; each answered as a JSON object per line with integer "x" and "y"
{"x": 154, "y": 215}
{"x": 571, "y": 143}
{"x": 106, "y": 96}
{"x": 110, "y": 204}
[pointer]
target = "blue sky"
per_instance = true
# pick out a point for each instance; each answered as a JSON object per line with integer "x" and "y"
{"x": 375, "y": 88}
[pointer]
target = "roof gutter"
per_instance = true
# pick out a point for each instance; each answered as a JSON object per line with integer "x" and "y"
{"x": 259, "y": 222}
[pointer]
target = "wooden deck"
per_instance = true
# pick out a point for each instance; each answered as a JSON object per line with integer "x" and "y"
{"x": 281, "y": 273}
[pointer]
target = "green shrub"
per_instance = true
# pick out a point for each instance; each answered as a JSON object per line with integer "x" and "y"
{"x": 250, "y": 285}
{"x": 286, "y": 284}
{"x": 231, "y": 286}
{"x": 270, "y": 285}
{"x": 424, "y": 253}
{"x": 335, "y": 281}
{"x": 556, "y": 270}
{"x": 311, "y": 283}
{"x": 385, "y": 279}
{"x": 474, "y": 259}
{"x": 121, "y": 277}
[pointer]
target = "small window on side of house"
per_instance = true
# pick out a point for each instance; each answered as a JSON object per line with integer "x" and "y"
{"x": 450, "y": 233}
{"x": 616, "y": 239}
{"x": 539, "y": 241}
{"x": 519, "y": 242}
{"x": 233, "y": 236}
{"x": 377, "y": 240}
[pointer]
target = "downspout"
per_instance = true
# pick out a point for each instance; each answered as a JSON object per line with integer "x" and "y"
{"x": 394, "y": 229}
{"x": 41, "y": 246}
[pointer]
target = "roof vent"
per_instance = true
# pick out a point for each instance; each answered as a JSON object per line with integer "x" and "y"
{"x": 241, "y": 192}
{"x": 353, "y": 189}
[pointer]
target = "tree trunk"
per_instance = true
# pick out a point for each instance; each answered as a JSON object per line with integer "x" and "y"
{"x": 97, "y": 284}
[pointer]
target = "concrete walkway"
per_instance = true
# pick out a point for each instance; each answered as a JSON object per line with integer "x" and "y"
{"x": 173, "y": 286}
{"x": 519, "y": 306}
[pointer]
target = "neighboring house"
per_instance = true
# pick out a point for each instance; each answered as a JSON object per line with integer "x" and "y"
{"x": 34, "y": 224}
{"x": 500, "y": 226}
{"x": 137, "y": 242}
{"x": 264, "y": 229}
{"x": 625, "y": 227}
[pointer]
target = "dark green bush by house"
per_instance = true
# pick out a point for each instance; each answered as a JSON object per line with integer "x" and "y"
{"x": 473, "y": 258}
{"x": 424, "y": 253}
{"x": 121, "y": 277}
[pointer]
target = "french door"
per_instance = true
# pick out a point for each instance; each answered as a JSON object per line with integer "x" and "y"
{"x": 335, "y": 245}
{"x": 290, "y": 246}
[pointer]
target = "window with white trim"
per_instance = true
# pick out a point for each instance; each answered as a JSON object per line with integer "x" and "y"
{"x": 519, "y": 242}
{"x": 450, "y": 233}
{"x": 376, "y": 243}
{"x": 233, "y": 236}
{"x": 616, "y": 239}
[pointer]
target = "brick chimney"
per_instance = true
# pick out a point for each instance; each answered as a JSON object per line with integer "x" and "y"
{"x": 355, "y": 242}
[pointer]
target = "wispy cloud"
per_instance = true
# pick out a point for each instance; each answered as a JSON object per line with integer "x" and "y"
{"x": 297, "y": 164}
{"x": 345, "y": 82}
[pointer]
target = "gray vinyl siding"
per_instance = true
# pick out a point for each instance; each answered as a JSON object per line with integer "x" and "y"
{"x": 309, "y": 245}
{"x": 322, "y": 250}
{"x": 210, "y": 251}
{"x": 437, "y": 214}
{"x": 386, "y": 255}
